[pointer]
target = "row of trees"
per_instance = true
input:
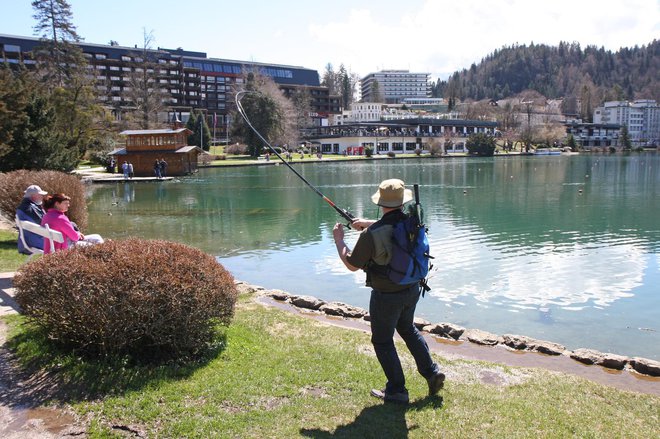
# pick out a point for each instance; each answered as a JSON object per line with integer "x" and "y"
{"x": 341, "y": 82}
{"x": 49, "y": 116}
{"x": 590, "y": 75}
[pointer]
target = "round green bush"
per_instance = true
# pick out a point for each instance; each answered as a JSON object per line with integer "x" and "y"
{"x": 148, "y": 300}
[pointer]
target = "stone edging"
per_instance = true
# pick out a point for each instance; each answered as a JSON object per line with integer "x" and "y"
{"x": 454, "y": 332}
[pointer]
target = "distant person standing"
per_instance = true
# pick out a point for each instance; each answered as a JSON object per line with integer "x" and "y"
{"x": 157, "y": 169}
{"x": 124, "y": 169}
{"x": 163, "y": 168}
{"x": 130, "y": 170}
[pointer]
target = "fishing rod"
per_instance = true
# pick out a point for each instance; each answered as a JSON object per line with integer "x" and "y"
{"x": 342, "y": 212}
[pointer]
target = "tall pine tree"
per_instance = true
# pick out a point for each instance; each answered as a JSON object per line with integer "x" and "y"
{"x": 57, "y": 56}
{"x": 201, "y": 135}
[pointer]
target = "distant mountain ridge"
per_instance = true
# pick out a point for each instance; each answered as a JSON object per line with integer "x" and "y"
{"x": 563, "y": 71}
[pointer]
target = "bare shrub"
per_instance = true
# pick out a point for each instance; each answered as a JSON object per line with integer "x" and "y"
{"x": 435, "y": 147}
{"x": 391, "y": 154}
{"x": 236, "y": 149}
{"x": 149, "y": 300}
{"x": 13, "y": 185}
{"x": 205, "y": 159}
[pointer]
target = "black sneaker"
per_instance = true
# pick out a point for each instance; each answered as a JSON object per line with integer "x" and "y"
{"x": 435, "y": 382}
{"x": 397, "y": 398}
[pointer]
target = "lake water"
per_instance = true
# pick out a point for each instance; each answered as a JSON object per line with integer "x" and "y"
{"x": 561, "y": 248}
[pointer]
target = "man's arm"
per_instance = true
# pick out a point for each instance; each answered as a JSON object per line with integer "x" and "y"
{"x": 342, "y": 248}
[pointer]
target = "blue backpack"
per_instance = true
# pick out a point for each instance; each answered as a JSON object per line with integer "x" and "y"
{"x": 410, "y": 261}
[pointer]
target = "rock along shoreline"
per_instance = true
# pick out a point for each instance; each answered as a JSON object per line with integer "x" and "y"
{"x": 452, "y": 332}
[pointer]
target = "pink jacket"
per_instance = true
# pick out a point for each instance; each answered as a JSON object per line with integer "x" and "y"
{"x": 57, "y": 220}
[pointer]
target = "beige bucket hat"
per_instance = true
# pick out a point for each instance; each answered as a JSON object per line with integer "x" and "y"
{"x": 392, "y": 193}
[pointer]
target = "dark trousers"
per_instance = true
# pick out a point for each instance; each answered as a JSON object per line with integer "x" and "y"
{"x": 396, "y": 311}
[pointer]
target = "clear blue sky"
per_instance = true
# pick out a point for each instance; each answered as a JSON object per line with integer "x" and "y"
{"x": 434, "y": 36}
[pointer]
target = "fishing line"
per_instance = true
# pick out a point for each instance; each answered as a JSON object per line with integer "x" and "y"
{"x": 342, "y": 212}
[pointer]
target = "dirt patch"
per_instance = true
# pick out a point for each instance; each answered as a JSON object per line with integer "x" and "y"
{"x": 317, "y": 392}
{"x": 476, "y": 373}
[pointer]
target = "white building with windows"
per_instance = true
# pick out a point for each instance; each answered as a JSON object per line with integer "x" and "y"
{"x": 359, "y": 112}
{"x": 641, "y": 117}
{"x": 393, "y": 86}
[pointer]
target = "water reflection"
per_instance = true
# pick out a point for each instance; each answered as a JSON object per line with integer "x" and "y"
{"x": 569, "y": 275}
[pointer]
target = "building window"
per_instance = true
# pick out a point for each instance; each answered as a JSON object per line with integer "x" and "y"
{"x": 125, "y": 58}
{"x": 100, "y": 56}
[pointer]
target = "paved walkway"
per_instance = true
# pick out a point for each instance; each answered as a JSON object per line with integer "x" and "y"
{"x": 7, "y": 303}
{"x": 98, "y": 175}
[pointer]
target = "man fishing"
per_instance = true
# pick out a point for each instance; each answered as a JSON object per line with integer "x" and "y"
{"x": 392, "y": 306}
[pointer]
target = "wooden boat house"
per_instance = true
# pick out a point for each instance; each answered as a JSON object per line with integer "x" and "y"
{"x": 144, "y": 147}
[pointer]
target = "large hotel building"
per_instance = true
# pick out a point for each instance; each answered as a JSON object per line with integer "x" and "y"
{"x": 192, "y": 79}
{"x": 395, "y": 86}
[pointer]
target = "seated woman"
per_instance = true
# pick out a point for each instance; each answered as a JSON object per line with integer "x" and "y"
{"x": 56, "y": 206}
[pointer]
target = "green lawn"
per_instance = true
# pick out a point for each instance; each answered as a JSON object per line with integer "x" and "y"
{"x": 281, "y": 375}
{"x": 10, "y": 259}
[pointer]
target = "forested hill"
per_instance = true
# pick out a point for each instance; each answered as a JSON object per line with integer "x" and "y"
{"x": 566, "y": 70}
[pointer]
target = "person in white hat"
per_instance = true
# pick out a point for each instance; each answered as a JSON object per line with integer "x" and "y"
{"x": 392, "y": 306}
{"x": 30, "y": 209}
